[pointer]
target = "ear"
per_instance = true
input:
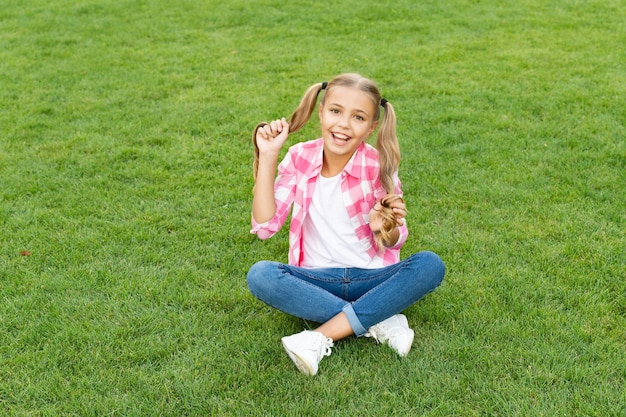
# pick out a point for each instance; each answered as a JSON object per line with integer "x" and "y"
{"x": 320, "y": 108}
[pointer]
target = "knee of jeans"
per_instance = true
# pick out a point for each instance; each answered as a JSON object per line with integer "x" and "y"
{"x": 435, "y": 265}
{"x": 257, "y": 277}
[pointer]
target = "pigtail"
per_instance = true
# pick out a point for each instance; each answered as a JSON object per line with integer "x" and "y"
{"x": 388, "y": 147}
{"x": 255, "y": 161}
{"x": 383, "y": 238}
{"x": 303, "y": 112}
{"x": 298, "y": 119}
{"x": 389, "y": 157}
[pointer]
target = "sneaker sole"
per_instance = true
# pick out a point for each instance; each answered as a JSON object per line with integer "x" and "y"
{"x": 302, "y": 365}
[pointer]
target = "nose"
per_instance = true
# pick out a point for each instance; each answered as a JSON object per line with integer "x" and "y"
{"x": 344, "y": 121}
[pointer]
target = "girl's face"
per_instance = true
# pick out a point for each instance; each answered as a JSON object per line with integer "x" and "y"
{"x": 347, "y": 119}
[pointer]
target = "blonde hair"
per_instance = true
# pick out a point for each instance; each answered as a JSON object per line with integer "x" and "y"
{"x": 389, "y": 221}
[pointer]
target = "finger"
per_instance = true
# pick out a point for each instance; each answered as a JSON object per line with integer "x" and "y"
{"x": 273, "y": 127}
{"x": 399, "y": 213}
{"x": 261, "y": 131}
{"x": 282, "y": 125}
{"x": 268, "y": 131}
{"x": 399, "y": 204}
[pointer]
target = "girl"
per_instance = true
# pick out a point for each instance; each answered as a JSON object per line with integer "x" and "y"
{"x": 347, "y": 224}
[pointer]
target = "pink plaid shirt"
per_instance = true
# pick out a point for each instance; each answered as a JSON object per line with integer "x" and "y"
{"x": 360, "y": 185}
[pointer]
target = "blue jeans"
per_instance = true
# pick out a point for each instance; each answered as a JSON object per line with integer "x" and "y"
{"x": 366, "y": 296}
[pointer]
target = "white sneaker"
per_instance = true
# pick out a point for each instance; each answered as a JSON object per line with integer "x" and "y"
{"x": 395, "y": 332}
{"x": 306, "y": 349}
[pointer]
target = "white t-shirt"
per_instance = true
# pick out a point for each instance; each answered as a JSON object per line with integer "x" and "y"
{"x": 329, "y": 240}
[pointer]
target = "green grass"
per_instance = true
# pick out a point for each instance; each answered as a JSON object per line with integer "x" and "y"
{"x": 125, "y": 166}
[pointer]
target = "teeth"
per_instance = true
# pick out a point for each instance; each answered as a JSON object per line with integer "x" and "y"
{"x": 340, "y": 136}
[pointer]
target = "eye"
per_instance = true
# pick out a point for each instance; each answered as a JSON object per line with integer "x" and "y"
{"x": 359, "y": 118}
{"x": 335, "y": 111}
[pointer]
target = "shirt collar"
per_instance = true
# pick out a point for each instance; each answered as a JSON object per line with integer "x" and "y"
{"x": 354, "y": 167}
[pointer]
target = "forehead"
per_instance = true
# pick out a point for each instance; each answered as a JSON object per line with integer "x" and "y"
{"x": 350, "y": 98}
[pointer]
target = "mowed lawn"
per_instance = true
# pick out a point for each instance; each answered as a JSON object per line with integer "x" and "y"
{"x": 126, "y": 183}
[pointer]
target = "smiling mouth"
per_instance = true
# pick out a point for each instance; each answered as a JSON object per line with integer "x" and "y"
{"x": 340, "y": 137}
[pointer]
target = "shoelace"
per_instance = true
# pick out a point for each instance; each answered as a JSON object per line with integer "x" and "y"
{"x": 386, "y": 334}
{"x": 325, "y": 345}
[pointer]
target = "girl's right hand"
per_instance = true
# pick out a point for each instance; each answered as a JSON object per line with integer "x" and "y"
{"x": 271, "y": 137}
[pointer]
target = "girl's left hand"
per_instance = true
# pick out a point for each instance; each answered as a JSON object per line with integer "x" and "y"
{"x": 376, "y": 220}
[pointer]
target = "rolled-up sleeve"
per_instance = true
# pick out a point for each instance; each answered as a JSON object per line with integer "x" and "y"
{"x": 284, "y": 191}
